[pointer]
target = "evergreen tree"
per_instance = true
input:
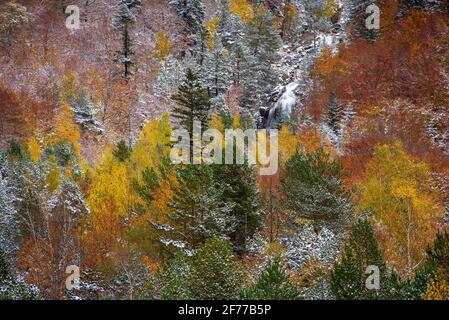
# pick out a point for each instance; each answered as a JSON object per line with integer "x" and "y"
{"x": 264, "y": 41}
{"x": 192, "y": 104}
{"x": 348, "y": 277}
{"x": 10, "y": 288}
{"x": 312, "y": 188}
{"x": 434, "y": 269}
{"x": 121, "y": 151}
{"x": 216, "y": 69}
{"x": 175, "y": 279}
{"x": 242, "y": 62}
{"x": 171, "y": 73}
{"x": 9, "y": 223}
{"x": 85, "y": 113}
{"x": 273, "y": 284}
{"x": 334, "y": 113}
{"x": 199, "y": 211}
{"x": 240, "y": 193}
{"x": 191, "y": 11}
{"x": 123, "y": 20}
{"x": 214, "y": 272}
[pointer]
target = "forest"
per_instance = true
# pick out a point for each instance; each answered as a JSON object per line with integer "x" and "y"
{"x": 93, "y": 207}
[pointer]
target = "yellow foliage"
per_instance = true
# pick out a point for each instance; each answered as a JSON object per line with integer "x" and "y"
{"x": 216, "y": 122}
{"x": 211, "y": 27}
{"x": 53, "y": 177}
{"x": 34, "y": 149}
{"x": 243, "y": 9}
{"x": 397, "y": 190}
{"x": 288, "y": 144}
{"x": 109, "y": 189}
{"x": 331, "y": 8}
{"x": 290, "y": 10}
{"x": 69, "y": 86}
{"x": 437, "y": 291}
{"x": 152, "y": 146}
{"x": 65, "y": 127}
{"x": 162, "y": 46}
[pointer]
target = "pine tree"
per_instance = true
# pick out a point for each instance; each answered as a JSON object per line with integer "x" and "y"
{"x": 85, "y": 113}
{"x": 263, "y": 40}
{"x": 191, "y": 11}
{"x": 312, "y": 188}
{"x": 240, "y": 193}
{"x": 192, "y": 104}
{"x": 434, "y": 269}
{"x": 199, "y": 211}
{"x": 216, "y": 69}
{"x": 9, "y": 224}
{"x": 123, "y": 20}
{"x": 273, "y": 284}
{"x": 121, "y": 151}
{"x": 348, "y": 277}
{"x": 334, "y": 113}
{"x": 214, "y": 272}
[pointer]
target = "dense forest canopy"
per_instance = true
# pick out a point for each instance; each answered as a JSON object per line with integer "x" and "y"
{"x": 92, "y": 91}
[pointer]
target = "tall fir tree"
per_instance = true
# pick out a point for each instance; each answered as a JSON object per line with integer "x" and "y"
{"x": 334, "y": 113}
{"x": 191, "y": 11}
{"x": 241, "y": 195}
{"x": 349, "y": 277}
{"x": 273, "y": 284}
{"x": 216, "y": 69}
{"x": 192, "y": 104}
{"x": 124, "y": 18}
{"x": 264, "y": 41}
{"x": 312, "y": 188}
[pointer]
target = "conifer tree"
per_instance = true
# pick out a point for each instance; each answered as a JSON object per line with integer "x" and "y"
{"x": 216, "y": 69}
{"x": 240, "y": 193}
{"x": 191, "y": 11}
{"x": 214, "y": 272}
{"x": 263, "y": 40}
{"x": 121, "y": 151}
{"x": 123, "y": 20}
{"x": 334, "y": 113}
{"x": 435, "y": 268}
{"x": 273, "y": 284}
{"x": 312, "y": 188}
{"x": 192, "y": 104}
{"x": 349, "y": 277}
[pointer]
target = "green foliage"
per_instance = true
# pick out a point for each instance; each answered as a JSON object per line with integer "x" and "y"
{"x": 175, "y": 279}
{"x": 10, "y": 289}
{"x": 193, "y": 103}
{"x": 312, "y": 188}
{"x": 122, "y": 151}
{"x": 348, "y": 277}
{"x": 273, "y": 284}
{"x": 214, "y": 272}
{"x": 434, "y": 268}
{"x": 240, "y": 193}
